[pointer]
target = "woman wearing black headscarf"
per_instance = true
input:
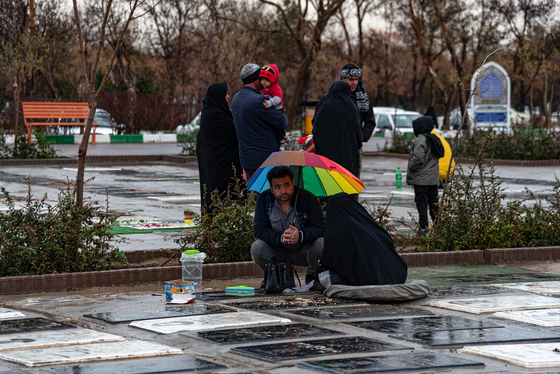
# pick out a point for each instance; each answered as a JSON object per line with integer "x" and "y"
{"x": 336, "y": 129}
{"x": 357, "y": 249}
{"x": 216, "y": 144}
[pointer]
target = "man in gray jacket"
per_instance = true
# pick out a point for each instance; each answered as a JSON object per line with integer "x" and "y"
{"x": 423, "y": 169}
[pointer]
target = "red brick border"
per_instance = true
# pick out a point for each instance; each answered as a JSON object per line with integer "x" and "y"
{"x": 130, "y": 277}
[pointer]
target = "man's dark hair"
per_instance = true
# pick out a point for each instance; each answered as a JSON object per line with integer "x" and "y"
{"x": 350, "y": 65}
{"x": 279, "y": 172}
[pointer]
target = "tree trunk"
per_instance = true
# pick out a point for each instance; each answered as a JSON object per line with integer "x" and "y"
{"x": 17, "y": 91}
{"x": 82, "y": 151}
{"x": 302, "y": 81}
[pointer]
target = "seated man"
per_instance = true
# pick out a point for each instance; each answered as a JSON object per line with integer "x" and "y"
{"x": 284, "y": 233}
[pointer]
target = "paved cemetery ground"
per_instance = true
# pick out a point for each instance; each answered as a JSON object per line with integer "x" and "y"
{"x": 158, "y": 193}
{"x": 473, "y": 315}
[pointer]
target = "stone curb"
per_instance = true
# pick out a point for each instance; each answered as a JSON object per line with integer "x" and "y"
{"x": 103, "y": 160}
{"x": 131, "y": 277}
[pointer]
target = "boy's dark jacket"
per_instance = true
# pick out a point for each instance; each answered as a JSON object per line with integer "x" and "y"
{"x": 308, "y": 214}
{"x": 423, "y": 163}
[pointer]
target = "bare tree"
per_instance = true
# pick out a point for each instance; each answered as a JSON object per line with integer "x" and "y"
{"x": 89, "y": 68}
{"x": 171, "y": 21}
{"x": 522, "y": 17}
{"x": 306, "y": 33}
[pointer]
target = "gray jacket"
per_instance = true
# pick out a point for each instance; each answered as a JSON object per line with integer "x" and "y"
{"x": 423, "y": 166}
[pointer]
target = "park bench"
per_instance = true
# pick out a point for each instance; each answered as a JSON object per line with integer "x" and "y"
{"x": 55, "y": 114}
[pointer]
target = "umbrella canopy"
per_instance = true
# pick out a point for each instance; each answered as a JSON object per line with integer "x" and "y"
{"x": 314, "y": 173}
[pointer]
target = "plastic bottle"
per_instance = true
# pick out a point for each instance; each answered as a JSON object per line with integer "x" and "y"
{"x": 398, "y": 177}
{"x": 191, "y": 261}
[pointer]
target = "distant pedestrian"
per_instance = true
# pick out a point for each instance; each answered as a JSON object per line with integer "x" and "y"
{"x": 270, "y": 76}
{"x": 255, "y": 124}
{"x": 336, "y": 128}
{"x": 423, "y": 170}
{"x": 216, "y": 145}
{"x": 431, "y": 112}
{"x": 352, "y": 74}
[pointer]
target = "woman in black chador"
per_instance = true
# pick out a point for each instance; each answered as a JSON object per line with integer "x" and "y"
{"x": 216, "y": 144}
{"x": 357, "y": 249}
{"x": 337, "y": 130}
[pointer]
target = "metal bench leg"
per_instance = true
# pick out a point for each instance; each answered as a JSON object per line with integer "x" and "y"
{"x": 28, "y": 135}
{"x": 93, "y": 137}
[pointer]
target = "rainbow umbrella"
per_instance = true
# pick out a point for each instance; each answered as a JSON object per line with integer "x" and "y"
{"x": 315, "y": 173}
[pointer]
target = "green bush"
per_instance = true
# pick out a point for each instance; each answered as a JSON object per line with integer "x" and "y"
{"x": 39, "y": 149}
{"x": 41, "y": 239}
{"x": 517, "y": 144}
{"x": 400, "y": 143}
{"x": 474, "y": 214}
{"x": 226, "y": 233}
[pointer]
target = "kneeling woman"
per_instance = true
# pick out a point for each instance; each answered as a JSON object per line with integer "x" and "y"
{"x": 357, "y": 250}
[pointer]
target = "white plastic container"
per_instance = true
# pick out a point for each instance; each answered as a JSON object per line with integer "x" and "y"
{"x": 192, "y": 260}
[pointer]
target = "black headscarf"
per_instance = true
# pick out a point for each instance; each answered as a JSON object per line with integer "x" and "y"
{"x": 357, "y": 248}
{"x": 336, "y": 129}
{"x": 424, "y": 125}
{"x": 217, "y": 148}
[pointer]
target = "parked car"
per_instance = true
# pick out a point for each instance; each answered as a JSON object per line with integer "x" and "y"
{"x": 106, "y": 125}
{"x": 394, "y": 119}
{"x": 515, "y": 116}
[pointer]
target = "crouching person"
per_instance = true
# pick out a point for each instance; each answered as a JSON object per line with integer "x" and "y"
{"x": 289, "y": 224}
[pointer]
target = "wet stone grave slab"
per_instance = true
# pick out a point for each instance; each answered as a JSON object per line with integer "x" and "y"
{"x": 43, "y": 339}
{"x": 357, "y": 312}
{"x": 175, "y": 364}
{"x": 464, "y": 290}
{"x": 87, "y": 353}
{"x": 498, "y": 303}
{"x": 165, "y": 312}
{"x": 264, "y": 333}
{"x": 530, "y": 356}
{"x": 207, "y": 322}
{"x": 21, "y": 325}
{"x": 541, "y": 288}
{"x": 47, "y": 300}
{"x": 390, "y": 363}
{"x": 296, "y": 302}
{"x": 313, "y": 348}
{"x": 499, "y": 277}
{"x": 458, "y": 338}
{"x": 541, "y": 317}
{"x": 422, "y": 324}
{"x": 14, "y": 372}
{"x": 8, "y": 313}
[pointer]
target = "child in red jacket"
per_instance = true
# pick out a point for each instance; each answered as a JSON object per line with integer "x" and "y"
{"x": 269, "y": 77}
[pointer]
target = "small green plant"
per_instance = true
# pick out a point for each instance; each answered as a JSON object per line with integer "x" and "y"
{"x": 187, "y": 140}
{"x": 38, "y": 238}
{"x": 226, "y": 233}
{"x": 400, "y": 143}
{"x": 36, "y": 150}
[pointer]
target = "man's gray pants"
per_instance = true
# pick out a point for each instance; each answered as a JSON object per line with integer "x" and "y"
{"x": 299, "y": 255}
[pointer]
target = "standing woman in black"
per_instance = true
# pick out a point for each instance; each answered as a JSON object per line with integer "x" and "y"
{"x": 216, "y": 145}
{"x": 336, "y": 128}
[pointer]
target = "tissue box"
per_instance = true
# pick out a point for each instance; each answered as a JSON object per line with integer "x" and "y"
{"x": 178, "y": 287}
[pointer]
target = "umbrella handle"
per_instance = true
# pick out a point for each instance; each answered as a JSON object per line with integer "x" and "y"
{"x": 297, "y": 193}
